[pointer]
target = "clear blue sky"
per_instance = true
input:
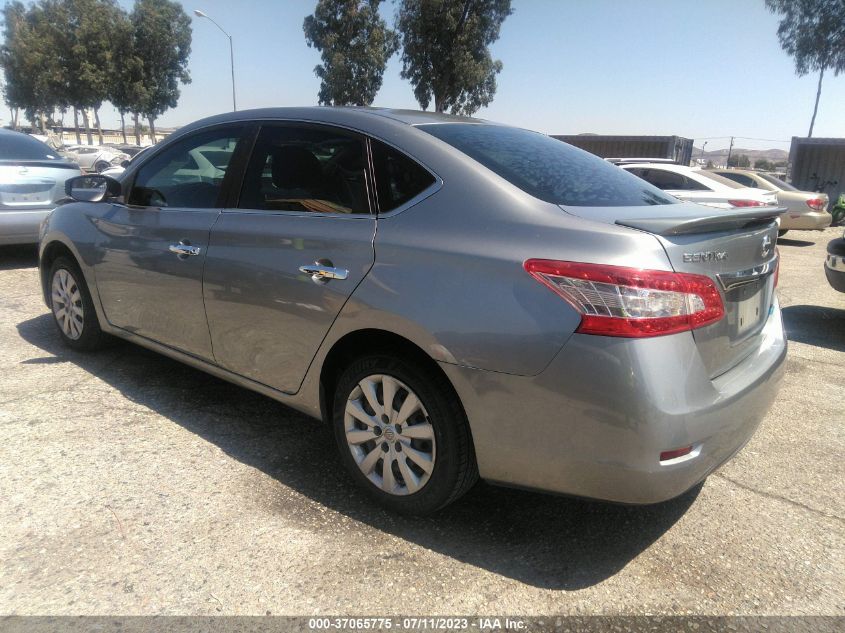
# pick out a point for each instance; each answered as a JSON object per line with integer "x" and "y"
{"x": 694, "y": 68}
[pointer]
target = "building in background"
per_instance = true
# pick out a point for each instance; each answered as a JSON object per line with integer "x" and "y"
{"x": 818, "y": 164}
{"x": 675, "y": 148}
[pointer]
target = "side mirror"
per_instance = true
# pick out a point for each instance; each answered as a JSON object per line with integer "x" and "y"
{"x": 94, "y": 188}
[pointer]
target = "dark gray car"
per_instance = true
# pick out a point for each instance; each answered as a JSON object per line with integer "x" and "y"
{"x": 32, "y": 182}
{"x": 456, "y": 298}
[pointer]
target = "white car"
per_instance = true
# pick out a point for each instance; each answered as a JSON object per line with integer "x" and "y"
{"x": 704, "y": 187}
{"x": 93, "y": 157}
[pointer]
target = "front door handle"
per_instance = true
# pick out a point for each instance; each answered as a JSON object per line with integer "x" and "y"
{"x": 184, "y": 249}
{"x": 322, "y": 273}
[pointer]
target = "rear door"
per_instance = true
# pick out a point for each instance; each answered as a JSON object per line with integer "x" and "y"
{"x": 287, "y": 254}
{"x": 153, "y": 249}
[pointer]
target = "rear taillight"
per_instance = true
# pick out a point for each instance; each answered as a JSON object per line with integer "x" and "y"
{"x": 816, "y": 203}
{"x": 630, "y": 302}
{"x": 747, "y": 203}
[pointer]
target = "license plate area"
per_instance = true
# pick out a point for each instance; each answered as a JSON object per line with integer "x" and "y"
{"x": 748, "y": 308}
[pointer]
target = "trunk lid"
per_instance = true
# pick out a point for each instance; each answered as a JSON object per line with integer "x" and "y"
{"x": 736, "y": 249}
{"x": 33, "y": 184}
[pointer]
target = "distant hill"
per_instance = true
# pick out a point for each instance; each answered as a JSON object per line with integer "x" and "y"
{"x": 721, "y": 155}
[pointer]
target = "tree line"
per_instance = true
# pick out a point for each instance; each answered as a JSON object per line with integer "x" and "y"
{"x": 74, "y": 55}
{"x": 444, "y": 44}
{"x": 61, "y": 55}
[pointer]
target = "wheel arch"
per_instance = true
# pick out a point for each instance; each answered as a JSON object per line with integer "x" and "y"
{"x": 358, "y": 342}
{"x": 49, "y": 254}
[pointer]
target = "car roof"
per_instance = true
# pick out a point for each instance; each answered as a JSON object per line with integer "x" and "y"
{"x": 681, "y": 169}
{"x": 361, "y": 117}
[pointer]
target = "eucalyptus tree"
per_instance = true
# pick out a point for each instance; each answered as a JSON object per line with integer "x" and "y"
{"x": 354, "y": 44}
{"x": 446, "y": 51}
{"x": 162, "y": 45}
{"x": 813, "y": 33}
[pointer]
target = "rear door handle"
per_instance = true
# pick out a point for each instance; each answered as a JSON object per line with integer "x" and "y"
{"x": 184, "y": 249}
{"x": 321, "y": 273}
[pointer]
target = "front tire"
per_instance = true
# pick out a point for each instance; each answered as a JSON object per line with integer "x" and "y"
{"x": 101, "y": 165}
{"x": 783, "y": 232}
{"x": 72, "y": 307}
{"x": 402, "y": 434}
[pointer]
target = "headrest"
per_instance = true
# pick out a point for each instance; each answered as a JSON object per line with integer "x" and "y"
{"x": 295, "y": 167}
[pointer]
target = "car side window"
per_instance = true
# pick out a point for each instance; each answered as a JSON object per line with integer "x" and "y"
{"x": 740, "y": 178}
{"x": 398, "y": 178}
{"x": 306, "y": 169}
{"x": 694, "y": 185}
{"x": 666, "y": 180}
{"x": 188, "y": 174}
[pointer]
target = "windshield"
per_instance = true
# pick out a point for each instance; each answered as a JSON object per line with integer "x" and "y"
{"x": 777, "y": 182}
{"x": 22, "y": 147}
{"x": 548, "y": 169}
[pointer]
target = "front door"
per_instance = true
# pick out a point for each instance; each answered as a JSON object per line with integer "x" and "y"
{"x": 152, "y": 250}
{"x": 282, "y": 264}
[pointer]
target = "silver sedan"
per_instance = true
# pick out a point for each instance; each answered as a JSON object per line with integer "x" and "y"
{"x": 32, "y": 182}
{"x": 457, "y": 299}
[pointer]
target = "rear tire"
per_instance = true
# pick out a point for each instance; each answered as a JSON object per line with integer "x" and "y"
{"x": 783, "y": 232}
{"x": 72, "y": 307}
{"x": 412, "y": 452}
{"x": 101, "y": 165}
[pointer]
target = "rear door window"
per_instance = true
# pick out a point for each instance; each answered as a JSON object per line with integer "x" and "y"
{"x": 547, "y": 168}
{"x": 398, "y": 177}
{"x": 665, "y": 180}
{"x": 306, "y": 169}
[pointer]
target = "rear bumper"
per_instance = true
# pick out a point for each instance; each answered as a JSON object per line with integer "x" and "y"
{"x": 805, "y": 221}
{"x": 21, "y": 227}
{"x": 594, "y": 423}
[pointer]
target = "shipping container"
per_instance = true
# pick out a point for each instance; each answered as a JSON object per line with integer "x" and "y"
{"x": 818, "y": 163}
{"x": 675, "y": 148}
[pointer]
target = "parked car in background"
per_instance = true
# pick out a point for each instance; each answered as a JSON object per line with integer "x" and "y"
{"x": 834, "y": 265}
{"x": 457, "y": 299}
{"x": 697, "y": 185}
{"x": 129, "y": 150}
{"x": 94, "y": 158}
{"x": 32, "y": 181}
{"x": 117, "y": 170}
{"x": 805, "y": 210}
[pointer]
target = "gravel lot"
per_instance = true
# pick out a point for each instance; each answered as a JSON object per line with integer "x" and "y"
{"x": 131, "y": 484}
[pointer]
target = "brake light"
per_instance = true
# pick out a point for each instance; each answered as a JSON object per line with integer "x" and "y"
{"x": 631, "y": 302}
{"x": 747, "y": 203}
{"x": 816, "y": 203}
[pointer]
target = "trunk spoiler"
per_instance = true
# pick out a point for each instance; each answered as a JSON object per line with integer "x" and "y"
{"x": 707, "y": 222}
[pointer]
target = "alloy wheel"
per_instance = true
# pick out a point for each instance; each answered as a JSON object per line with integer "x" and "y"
{"x": 67, "y": 304}
{"x": 389, "y": 435}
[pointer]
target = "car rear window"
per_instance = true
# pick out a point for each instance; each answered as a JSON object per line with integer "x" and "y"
{"x": 727, "y": 182}
{"x": 548, "y": 169}
{"x": 777, "y": 182}
{"x": 23, "y": 147}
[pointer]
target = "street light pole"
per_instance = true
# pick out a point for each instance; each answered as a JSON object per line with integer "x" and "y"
{"x": 200, "y": 14}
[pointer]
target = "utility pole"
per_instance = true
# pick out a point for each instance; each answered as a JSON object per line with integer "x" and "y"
{"x": 730, "y": 148}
